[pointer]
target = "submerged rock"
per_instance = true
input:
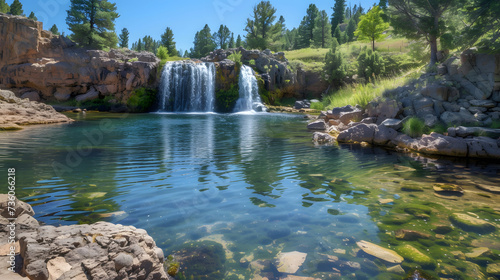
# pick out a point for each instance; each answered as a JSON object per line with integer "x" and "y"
{"x": 410, "y": 235}
{"x": 379, "y": 252}
{"x": 201, "y": 260}
{"x": 448, "y": 188}
{"x": 290, "y": 262}
{"x": 413, "y": 254}
{"x": 470, "y": 223}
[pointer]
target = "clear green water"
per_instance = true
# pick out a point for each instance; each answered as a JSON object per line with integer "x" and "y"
{"x": 256, "y": 184}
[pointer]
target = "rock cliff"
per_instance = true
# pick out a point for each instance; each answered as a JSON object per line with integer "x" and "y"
{"x": 50, "y": 67}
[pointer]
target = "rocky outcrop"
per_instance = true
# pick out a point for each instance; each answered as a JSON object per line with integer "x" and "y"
{"x": 50, "y": 67}
{"x": 272, "y": 67}
{"x": 16, "y": 112}
{"x": 97, "y": 251}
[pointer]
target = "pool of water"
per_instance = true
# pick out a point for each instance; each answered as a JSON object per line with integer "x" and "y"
{"x": 256, "y": 184}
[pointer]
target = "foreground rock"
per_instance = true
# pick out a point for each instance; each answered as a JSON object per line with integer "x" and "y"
{"x": 380, "y": 252}
{"x": 290, "y": 262}
{"x": 43, "y": 66}
{"x": 97, "y": 251}
{"x": 16, "y": 112}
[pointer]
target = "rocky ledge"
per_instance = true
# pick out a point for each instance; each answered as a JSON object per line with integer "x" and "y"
{"x": 16, "y": 112}
{"x": 96, "y": 251}
{"x": 463, "y": 96}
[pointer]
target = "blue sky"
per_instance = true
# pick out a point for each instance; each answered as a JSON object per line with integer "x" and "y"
{"x": 151, "y": 17}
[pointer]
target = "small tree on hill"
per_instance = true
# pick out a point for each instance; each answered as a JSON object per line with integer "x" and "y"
{"x": 335, "y": 67}
{"x": 167, "y": 40}
{"x": 124, "y": 38}
{"x": 371, "y": 26}
{"x": 32, "y": 16}
{"x": 4, "y": 7}
{"x": 54, "y": 30}
{"x": 162, "y": 53}
{"x": 16, "y": 8}
{"x": 370, "y": 64}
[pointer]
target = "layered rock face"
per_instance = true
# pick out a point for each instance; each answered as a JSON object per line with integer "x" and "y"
{"x": 15, "y": 112}
{"x": 51, "y": 67}
{"x": 97, "y": 251}
{"x": 274, "y": 66}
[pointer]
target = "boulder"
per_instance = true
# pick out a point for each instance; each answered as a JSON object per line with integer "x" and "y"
{"x": 483, "y": 103}
{"x": 302, "y": 105}
{"x": 436, "y": 92}
{"x": 90, "y": 95}
{"x": 395, "y": 124}
{"x": 353, "y": 116}
{"x": 319, "y": 137}
{"x": 422, "y": 103}
{"x": 430, "y": 120}
{"x": 317, "y": 125}
{"x": 464, "y": 132}
{"x": 384, "y": 135}
{"x": 483, "y": 147}
{"x": 452, "y": 107}
{"x": 438, "y": 144}
{"x": 31, "y": 95}
{"x": 458, "y": 118}
{"x": 336, "y": 112}
{"x": 358, "y": 133}
{"x": 383, "y": 110}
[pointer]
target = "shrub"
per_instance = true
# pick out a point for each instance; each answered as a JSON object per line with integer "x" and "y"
{"x": 317, "y": 106}
{"x": 141, "y": 100}
{"x": 133, "y": 59}
{"x": 370, "y": 64}
{"x": 236, "y": 57}
{"x": 414, "y": 127}
{"x": 162, "y": 53}
{"x": 335, "y": 67}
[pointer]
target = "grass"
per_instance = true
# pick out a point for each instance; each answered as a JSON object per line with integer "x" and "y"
{"x": 317, "y": 106}
{"x": 362, "y": 94}
{"x": 414, "y": 127}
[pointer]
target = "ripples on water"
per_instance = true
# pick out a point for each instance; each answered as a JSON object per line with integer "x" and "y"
{"x": 253, "y": 181}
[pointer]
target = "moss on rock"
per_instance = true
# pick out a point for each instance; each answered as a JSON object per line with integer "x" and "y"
{"x": 142, "y": 100}
{"x": 469, "y": 223}
{"x": 414, "y": 255}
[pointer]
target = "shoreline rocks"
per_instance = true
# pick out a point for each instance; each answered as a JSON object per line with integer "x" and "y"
{"x": 16, "y": 112}
{"x": 97, "y": 251}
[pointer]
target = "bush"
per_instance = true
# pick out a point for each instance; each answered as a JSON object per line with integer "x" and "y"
{"x": 225, "y": 100}
{"x": 317, "y": 106}
{"x": 162, "y": 53}
{"x": 236, "y": 57}
{"x": 414, "y": 127}
{"x": 370, "y": 64}
{"x": 141, "y": 100}
{"x": 335, "y": 67}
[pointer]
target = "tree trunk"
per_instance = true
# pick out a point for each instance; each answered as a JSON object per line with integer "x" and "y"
{"x": 433, "y": 43}
{"x": 373, "y": 45}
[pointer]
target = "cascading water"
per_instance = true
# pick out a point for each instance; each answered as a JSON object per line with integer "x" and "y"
{"x": 249, "y": 99}
{"x": 187, "y": 87}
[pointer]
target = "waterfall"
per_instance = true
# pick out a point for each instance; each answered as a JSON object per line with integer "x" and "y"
{"x": 187, "y": 87}
{"x": 249, "y": 99}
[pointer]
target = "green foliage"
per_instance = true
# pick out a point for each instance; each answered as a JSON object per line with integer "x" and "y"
{"x": 231, "y": 41}
{"x": 261, "y": 28}
{"x": 123, "y": 39}
{"x": 337, "y": 34}
{"x": 32, "y": 16}
{"x": 16, "y": 8}
{"x": 414, "y": 127}
{"x": 162, "y": 53}
{"x": 317, "y": 106}
{"x": 335, "y": 67}
{"x": 167, "y": 40}
{"x": 351, "y": 28}
{"x": 338, "y": 15}
{"x": 93, "y": 23}
{"x": 236, "y": 57}
{"x": 225, "y": 100}
{"x": 371, "y": 26}
{"x": 141, "y": 100}
{"x": 222, "y": 37}
{"x": 238, "y": 41}
{"x": 146, "y": 44}
{"x": 4, "y": 7}
{"x": 370, "y": 64}
{"x": 203, "y": 43}
{"x": 484, "y": 27}
{"x": 322, "y": 31}
{"x": 307, "y": 26}
{"x": 54, "y": 30}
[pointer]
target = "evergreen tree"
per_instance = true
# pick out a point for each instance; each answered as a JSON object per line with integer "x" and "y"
{"x": 337, "y": 34}
{"x": 484, "y": 24}
{"x": 371, "y": 26}
{"x": 335, "y": 67}
{"x": 16, "y": 8}
{"x": 93, "y": 23}
{"x": 186, "y": 54}
{"x": 162, "y": 52}
{"x": 4, "y": 7}
{"x": 124, "y": 38}
{"x": 338, "y": 14}
{"x": 32, "y": 16}
{"x": 203, "y": 43}
{"x": 370, "y": 64}
{"x": 222, "y": 37}
{"x": 322, "y": 30}
{"x": 238, "y": 41}
{"x": 261, "y": 28}
{"x": 351, "y": 28}
{"x": 308, "y": 23}
{"x": 139, "y": 47}
{"x": 54, "y": 30}
{"x": 281, "y": 22}
{"x": 167, "y": 40}
{"x": 231, "y": 42}
{"x": 416, "y": 19}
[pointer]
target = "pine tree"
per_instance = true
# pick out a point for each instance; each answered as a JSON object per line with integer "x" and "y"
{"x": 16, "y": 8}
{"x": 335, "y": 67}
{"x": 167, "y": 40}
{"x": 338, "y": 14}
{"x": 93, "y": 23}
{"x": 186, "y": 54}
{"x": 238, "y": 41}
{"x": 231, "y": 42}
{"x": 337, "y": 34}
{"x": 4, "y": 7}
{"x": 351, "y": 28}
{"x": 203, "y": 43}
{"x": 124, "y": 38}
{"x": 322, "y": 30}
{"x": 32, "y": 16}
{"x": 261, "y": 28}
{"x": 308, "y": 23}
{"x": 54, "y": 30}
{"x": 222, "y": 37}
{"x": 139, "y": 47}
